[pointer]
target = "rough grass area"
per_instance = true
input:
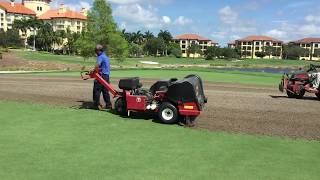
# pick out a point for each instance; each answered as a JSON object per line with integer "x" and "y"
{"x": 206, "y": 75}
{"x": 249, "y": 63}
{"x": 42, "y": 142}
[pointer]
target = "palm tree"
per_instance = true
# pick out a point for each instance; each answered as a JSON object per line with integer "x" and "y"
{"x": 167, "y": 37}
{"x": 148, "y": 35}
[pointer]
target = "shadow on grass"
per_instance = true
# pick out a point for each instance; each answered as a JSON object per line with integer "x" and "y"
{"x": 304, "y": 98}
{"x": 133, "y": 115}
{"x": 85, "y": 105}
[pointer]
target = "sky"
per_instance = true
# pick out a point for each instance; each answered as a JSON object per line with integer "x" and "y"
{"x": 220, "y": 20}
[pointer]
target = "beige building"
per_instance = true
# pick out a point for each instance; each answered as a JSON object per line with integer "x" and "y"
{"x": 251, "y": 46}
{"x": 64, "y": 18}
{"x": 60, "y": 19}
{"x": 186, "y": 40}
{"x": 232, "y": 45}
{"x": 37, "y": 6}
{"x": 312, "y": 44}
{"x": 10, "y": 11}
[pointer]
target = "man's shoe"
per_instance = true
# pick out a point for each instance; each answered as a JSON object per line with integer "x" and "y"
{"x": 108, "y": 107}
{"x": 100, "y": 107}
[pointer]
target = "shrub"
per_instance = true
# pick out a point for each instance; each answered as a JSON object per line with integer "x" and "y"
{"x": 260, "y": 54}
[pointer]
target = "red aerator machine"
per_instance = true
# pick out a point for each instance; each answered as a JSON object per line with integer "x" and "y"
{"x": 297, "y": 83}
{"x": 173, "y": 100}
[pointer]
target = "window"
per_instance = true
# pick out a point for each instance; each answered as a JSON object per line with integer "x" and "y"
{"x": 1, "y": 14}
{"x": 316, "y": 45}
{"x": 78, "y": 27}
{"x": 183, "y": 46}
{"x": 78, "y": 22}
{"x": 279, "y": 44}
{"x": 183, "y": 42}
{"x": 308, "y": 45}
{"x": 40, "y": 8}
{"x": 257, "y": 48}
{"x": 268, "y": 43}
{"x": 204, "y": 47}
{"x": 183, "y": 51}
{"x": 257, "y": 43}
{"x": 303, "y": 45}
{"x": 274, "y": 44}
{"x": 249, "y": 43}
{"x": 244, "y": 43}
{"x": 249, "y": 48}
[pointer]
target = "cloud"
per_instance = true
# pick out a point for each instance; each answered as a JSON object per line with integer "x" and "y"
{"x": 312, "y": 18}
{"x": 310, "y": 26}
{"x": 166, "y": 19}
{"x": 227, "y": 15}
{"x": 139, "y": 15}
{"x": 232, "y": 26}
{"x": 76, "y": 7}
{"x": 231, "y": 22}
{"x": 277, "y": 33}
{"x": 182, "y": 21}
{"x": 138, "y": 1}
{"x": 124, "y": 1}
{"x": 219, "y": 34}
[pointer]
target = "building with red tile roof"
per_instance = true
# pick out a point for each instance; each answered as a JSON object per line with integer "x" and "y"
{"x": 232, "y": 44}
{"x": 54, "y": 14}
{"x": 16, "y": 8}
{"x": 312, "y": 44}
{"x": 9, "y": 11}
{"x": 61, "y": 19}
{"x": 64, "y": 18}
{"x": 259, "y": 38}
{"x": 255, "y": 47}
{"x": 185, "y": 41}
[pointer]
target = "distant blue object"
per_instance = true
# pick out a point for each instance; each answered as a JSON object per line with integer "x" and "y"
{"x": 104, "y": 63}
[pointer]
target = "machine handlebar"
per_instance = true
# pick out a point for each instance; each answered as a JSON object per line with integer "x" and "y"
{"x": 313, "y": 67}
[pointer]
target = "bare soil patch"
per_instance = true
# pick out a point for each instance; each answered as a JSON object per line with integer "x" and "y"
{"x": 257, "y": 110}
{"x": 11, "y": 62}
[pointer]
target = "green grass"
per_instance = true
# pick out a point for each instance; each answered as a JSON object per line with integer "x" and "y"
{"x": 41, "y": 56}
{"x": 42, "y": 142}
{"x": 205, "y": 74}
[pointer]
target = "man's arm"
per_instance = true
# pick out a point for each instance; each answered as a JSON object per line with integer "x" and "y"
{"x": 98, "y": 63}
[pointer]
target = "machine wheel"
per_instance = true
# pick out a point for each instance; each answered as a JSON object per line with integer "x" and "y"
{"x": 120, "y": 106}
{"x": 290, "y": 94}
{"x": 318, "y": 95}
{"x": 301, "y": 94}
{"x": 168, "y": 113}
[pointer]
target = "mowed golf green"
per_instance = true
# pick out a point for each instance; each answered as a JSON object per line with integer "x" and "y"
{"x": 247, "y": 63}
{"x": 44, "y": 142}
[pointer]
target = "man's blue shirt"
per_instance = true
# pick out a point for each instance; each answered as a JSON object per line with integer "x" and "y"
{"x": 104, "y": 63}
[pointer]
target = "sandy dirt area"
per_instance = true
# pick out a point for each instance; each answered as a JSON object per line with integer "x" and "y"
{"x": 259, "y": 110}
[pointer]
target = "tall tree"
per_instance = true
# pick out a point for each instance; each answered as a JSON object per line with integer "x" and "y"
{"x": 102, "y": 29}
{"x": 212, "y": 52}
{"x": 294, "y": 52}
{"x": 139, "y": 38}
{"x": 194, "y": 49}
{"x": 269, "y": 51}
{"x": 154, "y": 46}
{"x": 167, "y": 38}
{"x": 148, "y": 35}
